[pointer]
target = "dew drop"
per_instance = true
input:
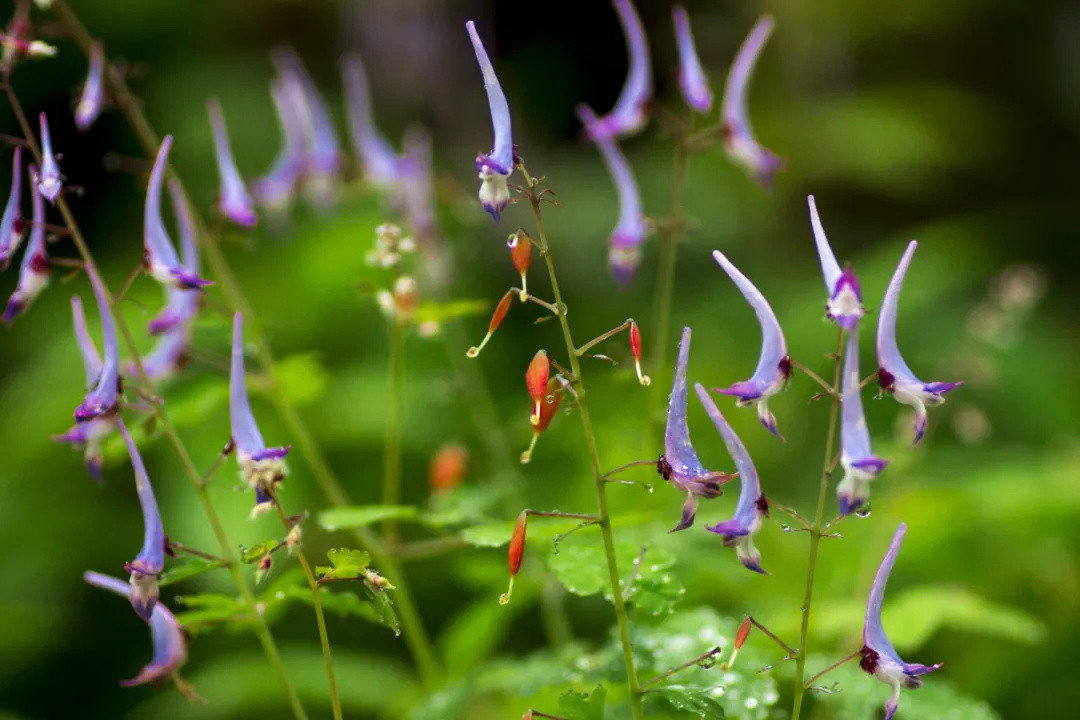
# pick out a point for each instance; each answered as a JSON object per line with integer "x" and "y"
{"x": 648, "y": 488}
{"x": 785, "y": 528}
{"x": 864, "y": 511}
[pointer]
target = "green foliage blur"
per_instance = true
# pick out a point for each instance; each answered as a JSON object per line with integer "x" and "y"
{"x": 953, "y": 123}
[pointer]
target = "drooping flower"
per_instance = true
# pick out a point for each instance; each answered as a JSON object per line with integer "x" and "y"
{"x": 160, "y": 258}
{"x": 879, "y": 658}
{"x": 630, "y": 112}
{"x": 49, "y": 183}
{"x": 34, "y": 272}
{"x": 680, "y": 463}
{"x": 181, "y": 305}
{"x": 739, "y": 140}
{"x": 93, "y": 92}
{"x": 234, "y": 201}
{"x": 262, "y": 468}
{"x": 11, "y": 231}
{"x": 148, "y": 564}
{"x": 494, "y": 167}
{"x": 379, "y": 159}
{"x": 628, "y": 235}
{"x": 844, "y": 305}
{"x": 774, "y": 367}
{"x": 752, "y": 507}
{"x": 692, "y": 80}
{"x": 170, "y": 646}
{"x": 860, "y": 464}
{"x": 274, "y": 190}
{"x": 101, "y": 400}
{"x": 894, "y": 375}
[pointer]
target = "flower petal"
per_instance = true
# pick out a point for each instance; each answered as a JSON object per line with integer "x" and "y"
{"x": 234, "y": 201}
{"x": 379, "y": 159}
{"x": 739, "y": 137}
{"x": 692, "y": 80}
{"x": 629, "y": 114}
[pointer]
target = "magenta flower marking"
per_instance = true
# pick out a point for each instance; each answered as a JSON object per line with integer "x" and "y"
{"x": 160, "y": 258}
{"x": 692, "y": 80}
{"x": 879, "y": 658}
{"x": 275, "y": 189}
{"x": 894, "y": 375}
{"x": 739, "y": 140}
{"x": 234, "y": 201}
{"x": 150, "y": 561}
{"x": 93, "y": 93}
{"x": 752, "y": 507}
{"x": 860, "y": 464}
{"x": 680, "y": 463}
{"x": 11, "y": 230}
{"x": 49, "y": 183}
{"x": 378, "y": 157}
{"x": 34, "y": 272}
{"x": 774, "y": 367}
{"x": 494, "y": 167}
{"x": 631, "y": 109}
{"x": 170, "y": 646}
{"x": 844, "y": 305}
{"x": 629, "y": 233}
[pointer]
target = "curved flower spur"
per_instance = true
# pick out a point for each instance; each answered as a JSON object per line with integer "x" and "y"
{"x": 160, "y": 259}
{"x": 894, "y": 375}
{"x": 860, "y": 464}
{"x": 234, "y": 202}
{"x": 844, "y": 306}
{"x": 495, "y": 167}
{"x": 275, "y": 190}
{"x": 774, "y": 366}
{"x": 11, "y": 230}
{"x": 148, "y": 564}
{"x": 92, "y": 99}
{"x": 739, "y": 140}
{"x": 879, "y": 658}
{"x": 680, "y": 463}
{"x": 752, "y": 507}
{"x": 692, "y": 80}
{"x": 378, "y": 158}
{"x": 34, "y": 271}
{"x": 631, "y": 109}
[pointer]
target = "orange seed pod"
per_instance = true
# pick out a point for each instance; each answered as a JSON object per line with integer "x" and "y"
{"x": 536, "y": 380}
{"x": 635, "y": 348}
{"x": 740, "y": 638}
{"x": 520, "y": 245}
{"x": 496, "y": 320}
{"x": 548, "y": 408}
{"x": 516, "y": 554}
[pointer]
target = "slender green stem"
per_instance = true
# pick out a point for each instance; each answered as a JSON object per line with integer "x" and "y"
{"x": 772, "y": 636}
{"x": 636, "y": 708}
{"x": 391, "y": 487}
{"x": 601, "y": 338}
{"x": 262, "y": 631}
{"x": 815, "y": 535}
{"x": 412, "y": 627}
{"x": 838, "y": 663}
{"x": 686, "y": 665}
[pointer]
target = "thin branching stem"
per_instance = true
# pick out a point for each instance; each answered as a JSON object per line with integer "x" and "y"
{"x": 601, "y": 338}
{"x": 813, "y": 376}
{"x": 826, "y": 671}
{"x": 627, "y": 466}
{"x": 792, "y": 652}
{"x": 685, "y": 666}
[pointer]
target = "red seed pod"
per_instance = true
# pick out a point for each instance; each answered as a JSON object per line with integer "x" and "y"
{"x": 548, "y": 409}
{"x": 536, "y": 380}
{"x": 635, "y": 341}
{"x": 743, "y": 632}
{"x": 448, "y": 467}
{"x": 496, "y": 320}
{"x": 520, "y": 245}
{"x": 517, "y": 543}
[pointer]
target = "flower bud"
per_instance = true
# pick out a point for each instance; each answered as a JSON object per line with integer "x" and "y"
{"x": 520, "y": 245}
{"x": 292, "y": 540}
{"x": 262, "y": 568}
{"x": 550, "y": 405}
{"x": 635, "y": 348}
{"x": 740, "y": 638}
{"x": 496, "y": 320}
{"x": 517, "y": 552}
{"x": 448, "y": 467}
{"x": 406, "y": 291}
{"x": 536, "y": 380}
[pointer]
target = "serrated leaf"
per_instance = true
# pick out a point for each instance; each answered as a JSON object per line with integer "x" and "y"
{"x": 363, "y": 515}
{"x": 187, "y": 568}
{"x": 209, "y": 611}
{"x": 582, "y": 569}
{"x": 583, "y": 706}
{"x": 252, "y": 554}
{"x": 302, "y": 378}
{"x": 702, "y": 702}
{"x": 383, "y": 606}
{"x": 346, "y": 563}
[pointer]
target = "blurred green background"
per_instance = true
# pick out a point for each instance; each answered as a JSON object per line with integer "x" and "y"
{"x": 953, "y": 123}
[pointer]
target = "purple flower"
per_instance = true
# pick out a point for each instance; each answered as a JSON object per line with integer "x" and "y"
{"x": 629, "y": 233}
{"x": 274, "y": 190}
{"x": 494, "y": 167}
{"x": 774, "y": 367}
{"x": 680, "y": 463}
{"x": 101, "y": 400}
{"x": 879, "y": 658}
{"x": 261, "y": 467}
{"x": 170, "y": 646}
{"x": 860, "y": 464}
{"x": 160, "y": 259}
{"x": 894, "y": 376}
{"x": 629, "y": 114}
{"x": 844, "y": 305}
{"x": 234, "y": 201}
{"x": 150, "y": 561}
{"x": 415, "y": 192}
{"x": 181, "y": 305}
{"x": 379, "y": 158}
{"x": 11, "y": 231}
{"x": 49, "y": 183}
{"x": 739, "y": 138}
{"x": 692, "y": 80}
{"x": 738, "y": 532}
{"x": 34, "y": 272}
{"x": 93, "y": 92}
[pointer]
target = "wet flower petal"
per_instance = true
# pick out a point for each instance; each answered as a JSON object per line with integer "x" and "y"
{"x": 894, "y": 375}
{"x": 11, "y": 231}
{"x": 150, "y": 561}
{"x": 101, "y": 400}
{"x": 377, "y": 155}
{"x": 160, "y": 259}
{"x": 630, "y": 112}
{"x": 860, "y": 464}
{"x": 34, "y": 271}
{"x": 774, "y": 367}
{"x": 739, "y": 140}
{"x": 49, "y": 183}
{"x": 692, "y": 80}
{"x": 93, "y": 93}
{"x": 494, "y": 167}
{"x": 234, "y": 201}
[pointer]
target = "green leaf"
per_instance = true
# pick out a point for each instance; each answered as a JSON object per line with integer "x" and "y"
{"x": 384, "y": 607}
{"x": 209, "y": 611}
{"x": 438, "y": 312}
{"x": 346, "y": 563}
{"x": 583, "y": 706}
{"x": 187, "y": 568}
{"x": 702, "y": 702}
{"x": 302, "y": 378}
{"x": 582, "y": 569}
{"x": 361, "y": 516}
{"x": 252, "y": 554}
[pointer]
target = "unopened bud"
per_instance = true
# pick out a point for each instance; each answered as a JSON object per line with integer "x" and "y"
{"x": 377, "y": 581}
{"x": 292, "y": 540}
{"x": 448, "y": 467}
{"x": 39, "y": 49}
{"x": 548, "y": 408}
{"x": 496, "y": 320}
{"x": 517, "y": 553}
{"x": 520, "y": 245}
{"x": 635, "y": 348}
{"x": 536, "y": 380}
{"x": 405, "y": 293}
{"x": 262, "y": 568}
{"x": 740, "y": 638}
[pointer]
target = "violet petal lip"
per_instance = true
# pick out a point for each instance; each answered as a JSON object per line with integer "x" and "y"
{"x": 34, "y": 270}
{"x": 894, "y": 375}
{"x": 774, "y": 367}
{"x": 378, "y": 157}
{"x": 630, "y": 231}
{"x": 92, "y": 99}
{"x": 629, "y": 114}
{"x": 692, "y": 80}
{"x": 857, "y": 459}
{"x": 749, "y": 509}
{"x": 102, "y": 398}
{"x": 879, "y": 657}
{"x": 493, "y": 167}
{"x": 10, "y": 233}
{"x": 739, "y": 137}
{"x": 234, "y": 201}
{"x": 161, "y": 260}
